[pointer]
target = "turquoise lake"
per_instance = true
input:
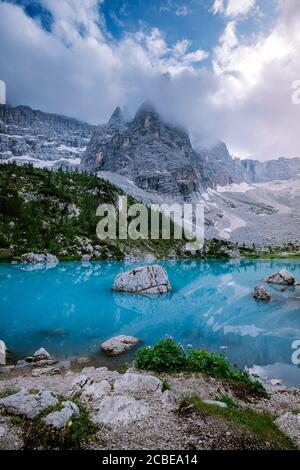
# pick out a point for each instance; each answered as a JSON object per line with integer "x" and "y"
{"x": 71, "y": 309}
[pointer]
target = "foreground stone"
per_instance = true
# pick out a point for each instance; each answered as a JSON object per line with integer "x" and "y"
{"x": 95, "y": 392}
{"x": 137, "y": 384}
{"x": 143, "y": 280}
{"x": 2, "y": 353}
{"x": 261, "y": 293}
{"x": 59, "y": 419}
{"x": 118, "y": 345}
{"x": 120, "y": 410}
{"x": 28, "y": 404}
{"x": 283, "y": 277}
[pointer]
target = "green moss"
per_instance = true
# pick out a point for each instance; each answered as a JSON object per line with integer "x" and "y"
{"x": 168, "y": 356}
{"x": 260, "y": 424}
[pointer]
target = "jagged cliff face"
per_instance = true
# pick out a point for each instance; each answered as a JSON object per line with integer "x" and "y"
{"x": 220, "y": 168}
{"x": 155, "y": 155}
{"x": 29, "y": 135}
{"x": 158, "y": 157}
{"x": 282, "y": 169}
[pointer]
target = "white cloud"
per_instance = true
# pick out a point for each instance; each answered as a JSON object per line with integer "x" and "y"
{"x": 233, "y": 8}
{"x": 77, "y": 70}
{"x": 182, "y": 10}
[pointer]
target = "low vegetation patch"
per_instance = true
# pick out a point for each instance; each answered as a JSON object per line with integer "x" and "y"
{"x": 261, "y": 425}
{"x": 169, "y": 356}
{"x": 78, "y": 430}
{"x": 7, "y": 391}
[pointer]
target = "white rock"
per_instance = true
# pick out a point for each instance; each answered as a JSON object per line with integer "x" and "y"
{"x": 283, "y": 277}
{"x": 59, "y": 419}
{"x": 137, "y": 384}
{"x": 276, "y": 382}
{"x": 95, "y": 391}
{"x": 41, "y": 354}
{"x": 150, "y": 279}
{"x": 118, "y": 345}
{"x": 39, "y": 258}
{"x": 2, "y": 353}
{"x": 221, "y": 404}
{"x": 169, "y": 399}
{"x": 28, "y": 404}
{"x": 120, "y": 410}
{"x": 99, "y": 374}
{"x": 79, "y": 383}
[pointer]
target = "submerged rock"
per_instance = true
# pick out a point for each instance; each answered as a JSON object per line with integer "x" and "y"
{"x": 118, "y": 345}
{"x": 261, "y": 293}
{"x": 59, "y": 419}
{"x": 28, "y": 403}
{"x": 151, "y": 279}
{"x": 283, "y": 277}
{"x": 2, "y": 353}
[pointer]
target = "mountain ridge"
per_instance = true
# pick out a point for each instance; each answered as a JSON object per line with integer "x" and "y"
{"x": 147, "y": 163}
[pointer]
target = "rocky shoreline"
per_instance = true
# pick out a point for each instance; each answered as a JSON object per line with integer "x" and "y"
{"x": 135, "y": 410}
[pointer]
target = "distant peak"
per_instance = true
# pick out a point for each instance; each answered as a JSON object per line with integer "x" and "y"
{"x": 117, "y": 117}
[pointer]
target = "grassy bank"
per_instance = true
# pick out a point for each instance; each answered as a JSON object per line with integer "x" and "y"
{"x": 169, "y": 356}
{"x": 259, "y": 424}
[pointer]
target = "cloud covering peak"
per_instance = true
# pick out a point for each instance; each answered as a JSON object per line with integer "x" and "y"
{"x": 238, "y": 90}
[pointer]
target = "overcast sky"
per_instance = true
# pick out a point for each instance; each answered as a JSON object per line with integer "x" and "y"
{"x": 221, "y": 68}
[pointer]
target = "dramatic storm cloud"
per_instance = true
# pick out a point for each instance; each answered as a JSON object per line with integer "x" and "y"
{"x": 82, "y": 58}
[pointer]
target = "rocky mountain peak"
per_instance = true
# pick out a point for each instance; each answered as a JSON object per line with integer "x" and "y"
{"x": 116, "y": 117}
{"x": 146, "y": 117}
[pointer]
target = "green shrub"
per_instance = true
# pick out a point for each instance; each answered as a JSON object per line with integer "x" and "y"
{"x": 165, "y": 356}
{"x": 169, "y": 356}
{"x": 199, "y": 360}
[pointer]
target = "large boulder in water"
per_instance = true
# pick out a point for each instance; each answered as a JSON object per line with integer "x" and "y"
{"x": 283, "y": 277}
{"x": 151, "y": 279}
{"x": 118, "y": 345}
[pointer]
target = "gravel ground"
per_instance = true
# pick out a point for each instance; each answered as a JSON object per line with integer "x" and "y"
{"x": 165, "y": 427}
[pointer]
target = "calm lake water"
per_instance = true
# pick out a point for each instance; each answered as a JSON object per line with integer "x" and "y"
{"x": 71, "y": 309}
